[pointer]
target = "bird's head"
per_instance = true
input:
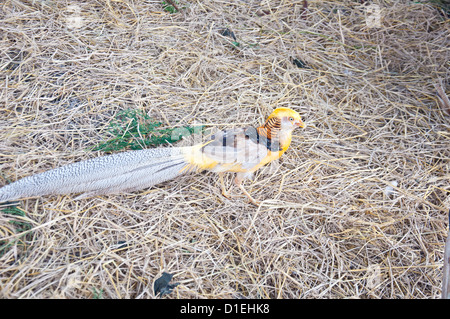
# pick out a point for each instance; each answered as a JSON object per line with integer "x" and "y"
{"x": 288, "y": 118}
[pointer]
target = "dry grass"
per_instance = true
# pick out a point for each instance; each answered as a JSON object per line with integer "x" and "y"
{"x": 326, "y": 228}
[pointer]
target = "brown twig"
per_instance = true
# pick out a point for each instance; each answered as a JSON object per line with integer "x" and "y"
{"x": 304, "y": 9}
{"x": 443, "y": 99}
{"x": 173, "y": 5}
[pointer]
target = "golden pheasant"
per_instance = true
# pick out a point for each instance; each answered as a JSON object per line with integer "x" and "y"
{"x": 242, "y": 151}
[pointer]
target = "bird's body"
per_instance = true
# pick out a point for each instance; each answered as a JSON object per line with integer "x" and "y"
{"x": 242, "y": 151}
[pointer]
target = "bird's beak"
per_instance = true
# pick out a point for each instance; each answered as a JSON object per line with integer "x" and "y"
{"x": 299, "y": 123}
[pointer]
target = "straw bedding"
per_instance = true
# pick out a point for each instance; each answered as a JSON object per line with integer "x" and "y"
{"x": 357, "y": 207}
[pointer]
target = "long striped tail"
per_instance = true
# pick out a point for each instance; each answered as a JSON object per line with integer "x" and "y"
{"x": 116, "y": 173}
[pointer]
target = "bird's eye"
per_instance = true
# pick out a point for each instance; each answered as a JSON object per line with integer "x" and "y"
{"x": 291, "y": 119}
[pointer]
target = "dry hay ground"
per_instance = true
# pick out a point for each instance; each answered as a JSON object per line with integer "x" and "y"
{"x": 327, "y": 227}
